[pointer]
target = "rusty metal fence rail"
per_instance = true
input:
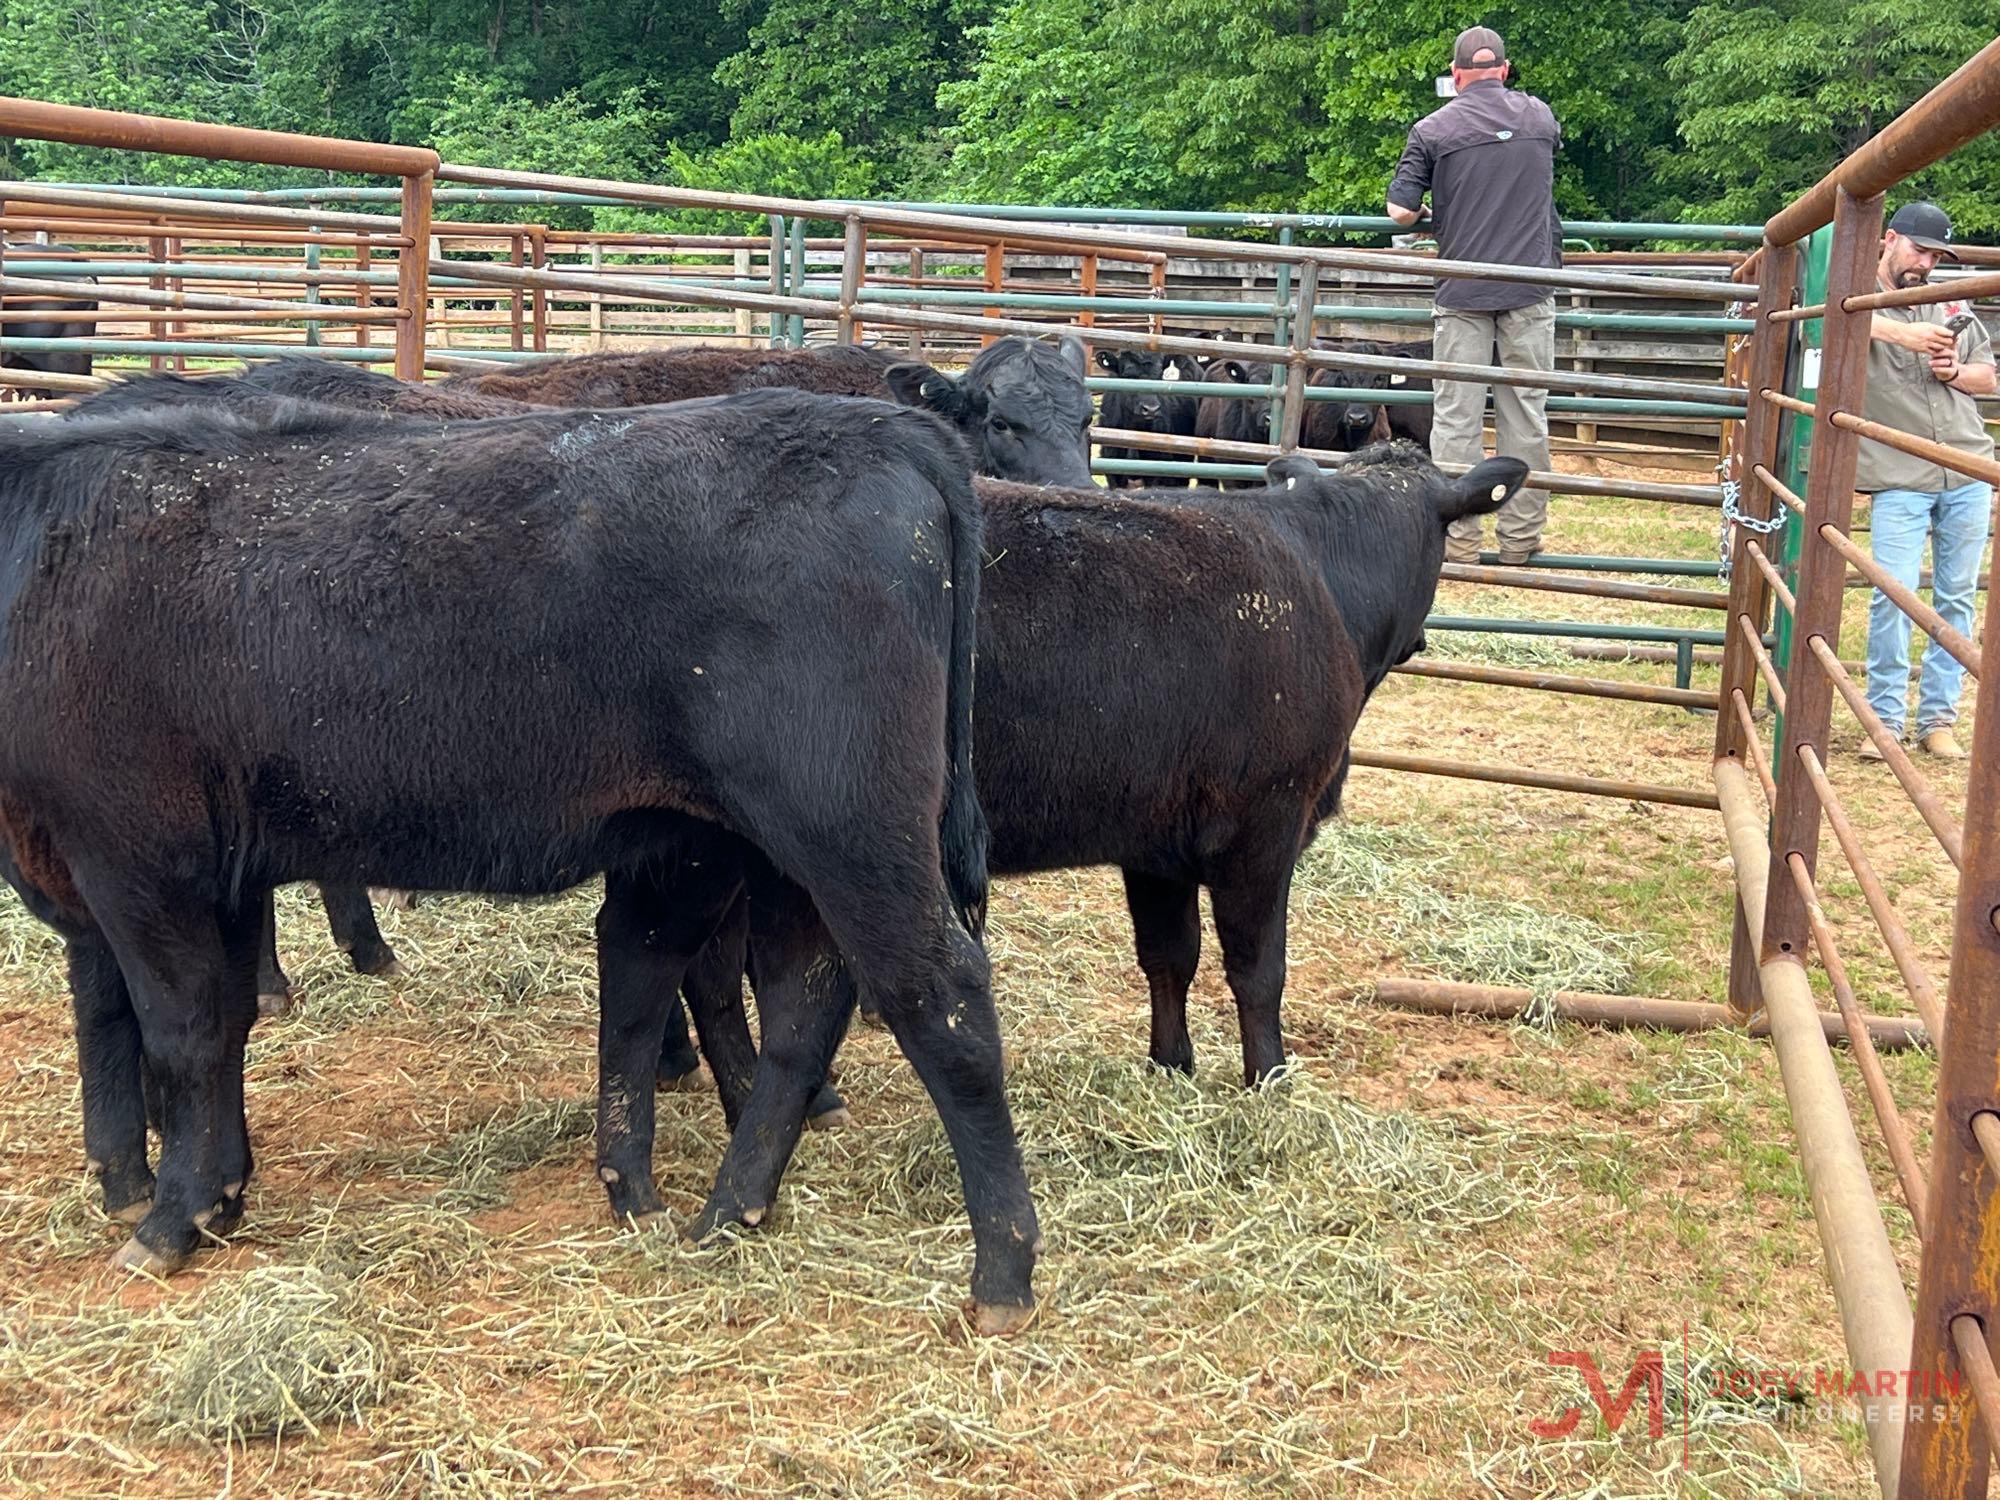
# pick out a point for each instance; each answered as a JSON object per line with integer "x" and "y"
{"x": 1932, "y": 1434}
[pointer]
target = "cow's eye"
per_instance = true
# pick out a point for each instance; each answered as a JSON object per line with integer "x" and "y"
{"x": 999, "y": 424}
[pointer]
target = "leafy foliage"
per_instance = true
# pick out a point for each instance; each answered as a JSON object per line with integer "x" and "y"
{"x": 1716, "y": 109}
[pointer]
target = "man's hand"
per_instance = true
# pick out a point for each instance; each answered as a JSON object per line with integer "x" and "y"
{"x": 1945, "y": 366}
{"x": 1927, "y": 339}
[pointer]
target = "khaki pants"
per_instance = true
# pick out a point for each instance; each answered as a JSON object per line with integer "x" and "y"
{"x": 1526, "y": 340}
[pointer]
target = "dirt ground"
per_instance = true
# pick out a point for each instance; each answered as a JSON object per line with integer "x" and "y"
{"x": 1352, "y": 1284}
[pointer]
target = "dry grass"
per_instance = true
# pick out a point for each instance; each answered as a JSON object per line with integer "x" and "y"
{"x": 1348, "y": 1284}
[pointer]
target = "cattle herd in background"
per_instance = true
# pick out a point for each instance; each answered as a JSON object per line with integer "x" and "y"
{"x": 704, "y": 622}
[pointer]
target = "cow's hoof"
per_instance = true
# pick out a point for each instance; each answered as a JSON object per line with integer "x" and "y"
{"x": 129, "y": 1213}
{"x": 393, "y": 900}
{"x": 140, "y": 1259}
{"x": 724, "y": 1216}
{"x": 645, "y": 1223}
{"x": 381, "y": 964}
{"x": 998, "y": 1319}
{"x": 274, "y": 1003}
{"x": 837, "y": 1118}
{"x": 682, "y": 1082}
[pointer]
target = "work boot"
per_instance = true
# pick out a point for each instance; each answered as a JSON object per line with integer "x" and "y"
{"x": 1872, "y": 751}
{"x": 1517, "y": 557}
{"x": 1942, "y": 743}
{"x": 1459, "y": 551}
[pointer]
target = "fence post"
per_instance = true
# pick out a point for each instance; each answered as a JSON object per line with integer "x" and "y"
{"x": 996, "y": 280}
{"x": 1294, "y": 409}
{"x": 916, "y": 283}
{"x": 413, "y": 276}
{"x": 1086, "y": 274}
{"x": 156, "y": 246}
{"x": 363, "y": 295}
{"x": 1795, "y": 819}
{"x": 517, "y": 300}
{"x": 1281, "y": 333}
{"x": 797, "y": 323}
{"x": 312, "y": 287}
{"x": 538, "y": 257}
{"x": 745, "y": 318}
{"x": 853, "y": 255}
{"x": 1948, "y": 1458}
{"x": 597, "y": 298}
{"x": 1749, "y": 595}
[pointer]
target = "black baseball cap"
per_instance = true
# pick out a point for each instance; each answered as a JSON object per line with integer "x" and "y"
{"x": 1924, "y": 225}
{"x": 1474, "y": 40}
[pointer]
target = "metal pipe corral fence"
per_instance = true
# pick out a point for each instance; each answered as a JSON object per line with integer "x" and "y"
{"x": 1929, "y": 1430}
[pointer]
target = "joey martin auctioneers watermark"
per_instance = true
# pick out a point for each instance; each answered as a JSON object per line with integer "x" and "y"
{"x": 1825, "y": 1391}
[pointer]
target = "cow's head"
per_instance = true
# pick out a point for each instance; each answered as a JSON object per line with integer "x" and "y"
{"x": 1357, "y": 421}
{"x": 1146, "y": 407}
{"x": 1378, "y": 526}
{"x": 1021, "y": 408}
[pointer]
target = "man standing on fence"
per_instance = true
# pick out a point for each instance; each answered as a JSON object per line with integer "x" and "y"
{"x": 1487, "y": 159}
{"x": 1925, "y": 365}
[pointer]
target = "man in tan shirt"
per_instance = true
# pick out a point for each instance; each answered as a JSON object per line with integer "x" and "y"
{"x": 1925, "y": 366}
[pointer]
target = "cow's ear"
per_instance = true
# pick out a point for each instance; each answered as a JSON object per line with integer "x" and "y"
{"x": 1108, "y": 358}
{"x": 1073, "y": 353}
{"x": 1291, "y": 471}
{"x": 917, "y": 384}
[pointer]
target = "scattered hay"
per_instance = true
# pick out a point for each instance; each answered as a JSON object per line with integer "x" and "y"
{"x": 1511, "y": 943}
{"x": 1478, "y": 939}
{"x": 475, "y": 1162}
{"x": 276, "y": 1349}
{"x": 1497, "y": 650}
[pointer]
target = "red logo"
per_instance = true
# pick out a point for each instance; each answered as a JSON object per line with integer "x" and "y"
{"x": 1648, "y": 1371}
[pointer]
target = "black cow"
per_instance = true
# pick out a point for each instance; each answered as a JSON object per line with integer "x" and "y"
{"x": 1167, "y": 683}
{"x": 1409, "y": 422}
{"x": 1021, "y": 406}
{"x": 1146, "y": 411}
{"x": 46, "y": 361}
{"x": 691, "y": 647}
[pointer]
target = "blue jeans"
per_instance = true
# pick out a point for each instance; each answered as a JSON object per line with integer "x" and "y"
{"x": 1956, "y": 522}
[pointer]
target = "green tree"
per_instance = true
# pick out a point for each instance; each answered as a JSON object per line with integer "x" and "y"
{"x": 869, "y": 72}
{"x": 1772, "y": 95}
{"x": 1045, "y": 117}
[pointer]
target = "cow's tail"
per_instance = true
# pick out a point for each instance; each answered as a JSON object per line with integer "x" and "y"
{"x": 962, "y": 833}
{"x": 1481, "y": 490}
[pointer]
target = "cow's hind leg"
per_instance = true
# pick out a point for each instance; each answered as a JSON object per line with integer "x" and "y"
{"x": 1166, "y": 931}
{"x": 899, "y": 936}
{"x": 938, "y": 1001}
{"x": 648, "y": 931}
{"x": 352, "y": 920}
{"x": 714, "y": 991}
{"x": 274, "y": 990}
{"x": 110, "y": 1061}
{"x": 191, "y": 971}
{"x": 1250, "y": 925}
{"x": 804, "y": 998}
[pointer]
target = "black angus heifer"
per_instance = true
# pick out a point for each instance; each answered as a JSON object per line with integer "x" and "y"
{"x": 350, "y": 915}
{"x": 1167, "y": 683}
{"x": 238, "y": 651}
{"x": 1410, "y": 422}
{"x": 1146, "y": 411}
{"x": 1352, "y": 424}
{"x": 1235, "y": 419}
{"x": 1021, "y": 407}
